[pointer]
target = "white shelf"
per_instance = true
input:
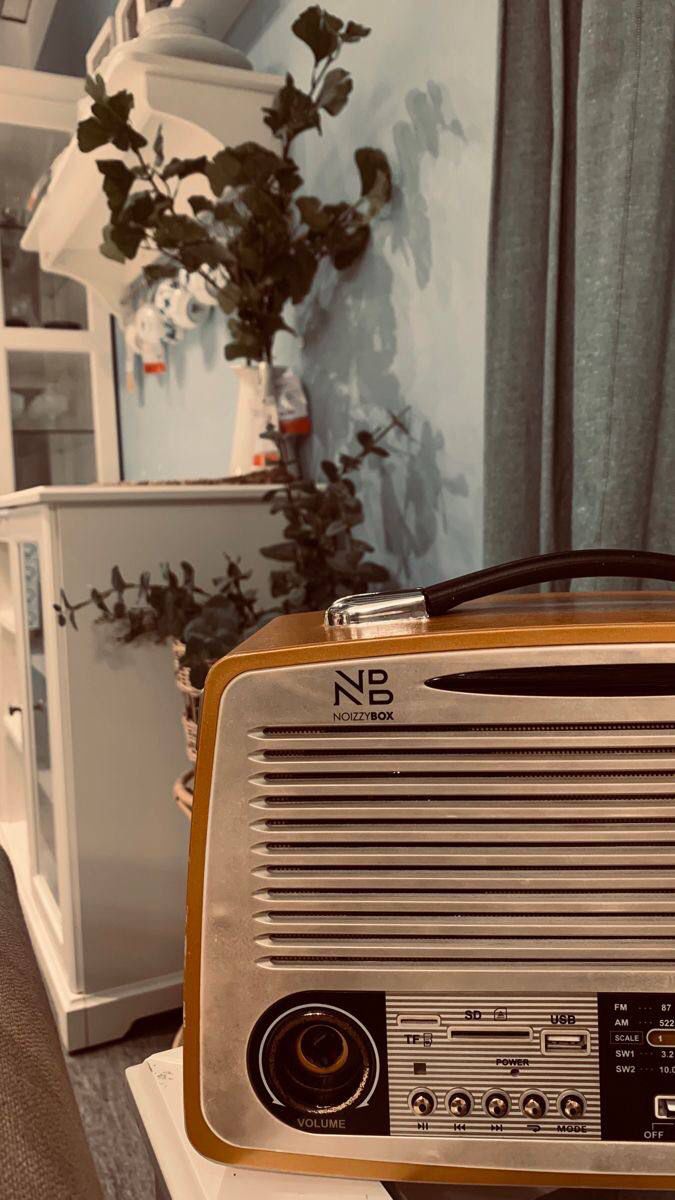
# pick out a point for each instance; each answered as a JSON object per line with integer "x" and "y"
{"x": 121, "y": 493}
{"x": 14, "y": 728}
{"x": 201, "y": 107}
{"x": 7, "y": 621}
{"x": 35, "y": 339}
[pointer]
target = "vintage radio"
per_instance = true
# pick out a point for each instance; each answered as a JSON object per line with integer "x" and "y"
{"x": 431, "y": 904}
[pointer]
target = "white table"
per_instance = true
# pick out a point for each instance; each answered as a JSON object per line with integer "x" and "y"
{"x": 183, "y": 1174}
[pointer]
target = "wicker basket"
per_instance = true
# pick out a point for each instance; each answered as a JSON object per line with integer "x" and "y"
{"x": 191, "y": 701}
{"x": 182, "y": 793}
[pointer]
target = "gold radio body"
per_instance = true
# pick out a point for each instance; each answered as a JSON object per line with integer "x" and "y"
{"x": 431, "y": 904}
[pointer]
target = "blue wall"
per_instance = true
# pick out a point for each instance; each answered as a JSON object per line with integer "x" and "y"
{"x": 403, "y": 328}
{"x": 72, "y": 29}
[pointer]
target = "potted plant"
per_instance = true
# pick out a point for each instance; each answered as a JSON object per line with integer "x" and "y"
{"x": 250, "y": 231}
{"x": 320, "y": 558}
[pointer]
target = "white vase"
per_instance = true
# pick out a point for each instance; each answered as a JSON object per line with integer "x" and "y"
{"x": 182, "y": 34}
{"x": 256, "y": 410}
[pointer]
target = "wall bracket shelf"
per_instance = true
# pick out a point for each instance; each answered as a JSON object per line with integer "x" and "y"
{"x": 201, "y": 107}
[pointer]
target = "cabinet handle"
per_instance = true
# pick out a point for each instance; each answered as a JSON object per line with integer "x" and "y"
{"x": 14, "y": 708}
{"x": 39, "y": 706}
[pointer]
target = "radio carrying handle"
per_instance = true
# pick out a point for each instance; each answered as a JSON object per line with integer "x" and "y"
{"x": 423, "y": 603}
{"x": 545, "y": 568}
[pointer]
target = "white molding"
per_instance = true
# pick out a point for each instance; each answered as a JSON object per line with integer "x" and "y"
{"x": 120, "y": 17}
{"x": 103, "y": 392}
{"x": 93, "y": 493}
{"x": 38, "y": 99}
{"x": 45, "y": 341}
{"x": 219, "y": 15}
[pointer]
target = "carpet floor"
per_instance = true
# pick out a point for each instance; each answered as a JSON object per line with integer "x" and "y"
{"x": 107, "y": 1109}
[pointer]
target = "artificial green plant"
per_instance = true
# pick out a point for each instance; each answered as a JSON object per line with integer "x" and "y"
{"x": 319, "y": 558}
{"x": 251, "y": 230}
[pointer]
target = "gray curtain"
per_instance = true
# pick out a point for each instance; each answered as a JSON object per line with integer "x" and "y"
{"x": 580, "y": 395}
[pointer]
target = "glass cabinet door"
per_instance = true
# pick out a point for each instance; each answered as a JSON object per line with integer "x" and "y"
{"x": 58, "y": 412}
{"x": 32, "y": 298}
{"x": 12, "y": 771}
{"x": 45, "y": 865}
{"x": 52, "y": 421}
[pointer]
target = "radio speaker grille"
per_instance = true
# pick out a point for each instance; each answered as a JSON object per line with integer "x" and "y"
{"x": 439, "y": 845}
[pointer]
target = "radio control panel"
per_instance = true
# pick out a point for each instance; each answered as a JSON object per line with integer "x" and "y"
{"x": 493, "y": 1066}
{"x": 594, "y": 1067}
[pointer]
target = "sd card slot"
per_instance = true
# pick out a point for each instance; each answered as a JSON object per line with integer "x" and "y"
{"x": 492, "y": 1032}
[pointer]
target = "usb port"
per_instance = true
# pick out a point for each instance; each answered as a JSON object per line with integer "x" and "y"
{"x": 567, "y": 1041}
{"x": 664, "y": 1108}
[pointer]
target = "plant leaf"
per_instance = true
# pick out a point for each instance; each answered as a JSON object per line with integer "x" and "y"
{"x": 292, "y": 110}
{"x": 94, "y": 86}
{"x": 121, "y": 242}
{"x": 375, "y": 172}
{"x": 350, "y": 247}
{"x": 319, "y": 30}
{"x": 138, "y": 210}
{"x": 354, "y": 32}
{"x": 330, "y": 470}
{"x": 302, "y": 267}
{"x": 223, "y": 170}
{"x": 314, "y": 214}
{"x": 99, "y": 600}
{"x": 180, "y": 168}
{"x": 91, "y": 135}
{"x": 160, "y": 270}
{"x": 200, "y": 204}
{"x": 117, "y": 580}
{"x": 108, "y": 248}
{"x": 229, "y": 297}
{"x": 178, "y": 230}
{"x": 117, "y": 182}
{"x": 335, "y": 91}
{"x": 109, "y": 123}
{"x": 158, "y": 147}
{"x": 281, "y": 552}
{"x": 239, "y": 349}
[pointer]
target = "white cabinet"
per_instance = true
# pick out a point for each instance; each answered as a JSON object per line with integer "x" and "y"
{"x": 58, "y": 421}
{"x": 91, "y": 742}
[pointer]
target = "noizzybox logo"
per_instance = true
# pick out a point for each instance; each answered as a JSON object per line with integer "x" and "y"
{"x": 362, "y": 695}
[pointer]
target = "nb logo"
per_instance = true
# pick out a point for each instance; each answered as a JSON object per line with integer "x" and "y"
{"x": 363, "y": 687}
